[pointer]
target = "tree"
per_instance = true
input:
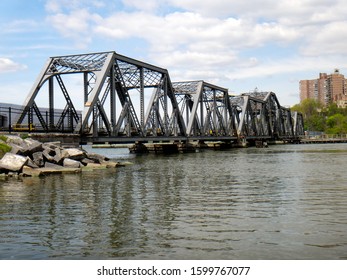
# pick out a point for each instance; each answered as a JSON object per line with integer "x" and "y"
{"x": 312, "y": 111}
{"x": 336, "y": 124}
{"x": 311, "y": 107}
{"x": 330, "y": 119}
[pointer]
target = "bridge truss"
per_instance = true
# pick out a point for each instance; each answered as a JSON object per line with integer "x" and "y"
{"x": 126, "y": 100}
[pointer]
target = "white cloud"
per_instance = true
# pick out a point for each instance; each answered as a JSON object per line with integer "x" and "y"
{"x": 8, "y": 65}
{"x": 76, "y": 25}
{"x": 58, "y": 6}
{"x": 184, "y": 32}
{"x": 215, "y": 40}
{"x": 222, "y": 8}
{"x": 330, "y": 39}
{"x": 148, "y": 5}
{"x": 287, "y": 65}
{"x": 18, "y": 26}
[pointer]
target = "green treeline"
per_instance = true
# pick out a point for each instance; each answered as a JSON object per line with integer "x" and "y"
{"x": 317, "y": 117}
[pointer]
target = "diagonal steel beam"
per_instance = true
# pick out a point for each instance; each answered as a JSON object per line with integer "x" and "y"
{"x": 94, "y": 94}
{"x": 196, "y": 102}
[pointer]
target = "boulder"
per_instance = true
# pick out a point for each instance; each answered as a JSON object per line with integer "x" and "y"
{"x": 31, "y": 172}
{"x": 51, "y": 145}
{"x": 53, "y": 166}
{"x": 70, "y": 163}
{"x": 57, "y": 158}
{"x": 38, "y": 159}
{"x": 23, "y": 147}
{"x": 16, "y": 149}
{"x": 13, "y": 162}
{"x": 97, "y": 158}
{"x": 33, "y": 158}
{"x": 73, "y": 153}
{"x": 48, "y": 155}
{"x": 32, "y": 146}
{"x": 14, "y": 139}
{"x": 92, "y": 166}
{"x": 31, "y": 163}
{"x": 85, "y": 161}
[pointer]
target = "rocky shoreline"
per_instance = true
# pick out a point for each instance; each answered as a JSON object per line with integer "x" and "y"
{"x": 29, "y": 157}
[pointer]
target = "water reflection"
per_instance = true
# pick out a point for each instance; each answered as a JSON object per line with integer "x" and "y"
{"x": 284, "y": 202}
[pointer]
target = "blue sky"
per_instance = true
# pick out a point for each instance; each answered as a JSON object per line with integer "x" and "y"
{"x": 240, "y": 45}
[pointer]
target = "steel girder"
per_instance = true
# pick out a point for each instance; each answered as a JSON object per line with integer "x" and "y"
{"x": 117, "y": 103}
{"x": 281, "y": 125}
{"x": 254, "y": 120}
{"x": 110, "y": 77}
{"x": 205, "y": 108}
{"x": 128, "y": 79}
{"x": 262, "y": 115}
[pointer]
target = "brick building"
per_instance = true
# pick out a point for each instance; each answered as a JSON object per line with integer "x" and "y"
{"x": 326, "y": 89}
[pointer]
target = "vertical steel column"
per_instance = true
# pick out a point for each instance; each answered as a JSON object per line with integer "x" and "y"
{"x": 47, "y": 118}
{"x": 85, "y": 86}
{"x": 86, "y": 94}
{"x": 156, "y": 116}
{"x": 9, "y": 120}
{"x": 30, "y": 118}
{"x": 187, "y": 110}
{"x": 225, "y": 118}
{"x": 51, "y": 102}
{"x": 95, "y": 121}
{"x": 113, "y": 100}
{"x": 165, "y": 105}
{"x": 128, "y": 122}
{"x": 142, "y": 99}
{"x": 201, "y": 100}
{"x": 214, "y": 112}
{"x": 70, "y": 115}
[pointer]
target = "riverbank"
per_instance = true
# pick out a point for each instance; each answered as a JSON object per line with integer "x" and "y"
{"x": 29, "y": 157}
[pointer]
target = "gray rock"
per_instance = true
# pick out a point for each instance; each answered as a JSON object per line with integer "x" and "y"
{"x": 31, "y": 163}
{"x": 73, "y": 153}
{"x": 14, "y": 139}
{"x": 58, "y": 159}
{"x": 38, "y": 159}
{"x": 85, "y": 161}
{"x": 97, "y": 158}
{"x": 31, "y": 172}
{"x": 32, "y": 145}
{"x": 53, "y": 166}
{"x": 51, "y": 145}
{"x": 23, "y": 147}
{"x": 70, "y": 163}
{"x": 48, "y": 155}
{"x": 16, "y": 149}
{"x": 13, "y": 162}
{"x": 32, "y": 154}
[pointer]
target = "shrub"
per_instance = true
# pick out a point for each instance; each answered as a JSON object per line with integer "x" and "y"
{"x": 4, "y": 148}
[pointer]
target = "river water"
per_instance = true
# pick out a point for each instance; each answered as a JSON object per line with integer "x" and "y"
{"x": 281, "y": 202}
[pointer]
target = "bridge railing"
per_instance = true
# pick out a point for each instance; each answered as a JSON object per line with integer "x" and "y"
{"x": 32, "y": 123}
{"x": 326, "y": 136}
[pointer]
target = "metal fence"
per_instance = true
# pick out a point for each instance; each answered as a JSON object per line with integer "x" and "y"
{"x": 9, "y": 116}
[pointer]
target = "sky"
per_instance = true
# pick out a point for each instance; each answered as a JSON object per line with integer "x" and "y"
{"x": 268, "y": 45}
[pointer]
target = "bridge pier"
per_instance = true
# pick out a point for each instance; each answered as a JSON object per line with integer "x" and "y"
{"x": 179, "y": 147}
{"x": 139, "y": 148}
{"x": 163, "y": 148}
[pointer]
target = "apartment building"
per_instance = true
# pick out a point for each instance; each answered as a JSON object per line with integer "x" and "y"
{"x": 326, "y": 89}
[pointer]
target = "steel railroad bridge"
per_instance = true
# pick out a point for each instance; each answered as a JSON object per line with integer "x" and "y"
{"x": 126, "y": 100}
